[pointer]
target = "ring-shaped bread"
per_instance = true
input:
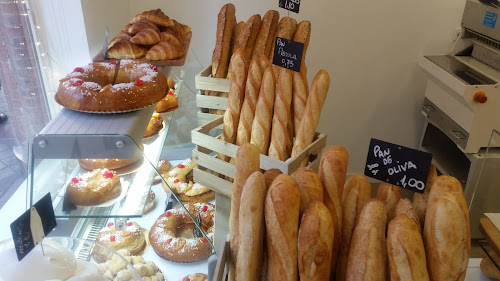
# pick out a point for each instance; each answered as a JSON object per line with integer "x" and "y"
{"x": 131, "y": 238}
{"x": 90, "y": 88}
{"x": 94, "y": 187}
{"x": 166, "y": 244}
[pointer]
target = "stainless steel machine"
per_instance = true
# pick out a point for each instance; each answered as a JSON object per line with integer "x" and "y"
{"x": 462, "y": 106}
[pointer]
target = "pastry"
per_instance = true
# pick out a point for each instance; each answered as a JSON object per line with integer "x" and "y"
{"x": 156, "y": 16}
{"x": 390, "y": 195}
{"x": 116, "y": 269}
{"x": 282, "y": 110}
{"x": 163, "y": 166}
{"x": 131, "y": 238}
{"x": 151, "y": 203}
{"x": 405, "y": 250}
{"x": 261, "y": 126}
{"x": 419, "y": 200}
{"x": 178, "y": 28}
{"x": 252, "y": 231}
{"x": 168, "y": 103}
{"x": 404, "y": 207}
{"x": 447, "y": 231}
{"x": 266, "y": 35}
{"x": 310, "y": 187}
{"x": 195, "y": 277}
{"x": 315, "y": 243}
{"x": 164, "y": 238}
{"x": 140, "y": 25}
{"x": 170, "y": 38}
{"x": 282, "y": 225}
{"x": 357, "y": 192}
{"x": 367, "y": 258}
{"x": 285, "y": 29}
{"x": 252, "y": 88}
{"x": 146, "y": 36}
{"x": 110, "y": 164}
{"x": 247, "y": 162}
{"x": 165, "y": 51}
{"x": 120, "y": 36}
{"x": 93, "y": 188}
{"x": 89, "y": 88}
{"x": 171, "y": 83}
{"x": 248, "y": 36}
{"x": 307, "y": 129}
{"x": 154, "y": 126}
{"x": 124, "y": 49}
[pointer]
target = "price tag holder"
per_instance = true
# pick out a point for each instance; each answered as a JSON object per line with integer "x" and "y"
{"x": 288, "y": 53}
{"x": 398, "y": 165}
{"x": 24, "y": 240}
{"x": 291, "y": 5}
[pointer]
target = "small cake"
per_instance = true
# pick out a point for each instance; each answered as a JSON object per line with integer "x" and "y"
{"x": 163, "y": 167}
{"x": 168, "y": 103}
{"x": 93, "y": 188}
{"x": 154, "y": 126}
{"x": 195, "y": 277}
{"x": 131, "y": 238}
{"x": 110, "y": 164}
{"x": 151, "y": 203}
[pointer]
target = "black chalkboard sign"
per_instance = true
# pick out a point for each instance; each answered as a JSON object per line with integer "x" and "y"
{"x": 291, "y": 5}
{"x": 20, "y": 228}
{"x": 398, "y": 165}
{"x": 288, "y": 53}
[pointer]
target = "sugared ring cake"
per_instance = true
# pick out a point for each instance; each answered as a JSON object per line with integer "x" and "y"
{"x": 93, "y": 188}
{"x": 90, "y": 88}
{"x": 131, "y": 238}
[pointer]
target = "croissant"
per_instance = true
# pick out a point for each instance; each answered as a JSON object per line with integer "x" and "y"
{"x": 156, "y": 16}
{"x": 165, "y": 51}
{"x": 120, "y": 36}
{"x": 124, "y": 49}
{"x": 141, "y": 25}
{"x": 146, "y": 37}
{"x": 167, "y": 36}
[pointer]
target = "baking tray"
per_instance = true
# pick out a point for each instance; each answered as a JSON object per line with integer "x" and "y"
{"x": 175, "y": 62}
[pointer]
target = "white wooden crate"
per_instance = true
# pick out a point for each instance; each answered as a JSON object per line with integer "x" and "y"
{"x": 204, "y": 82}
{"x": 207, "y": 164}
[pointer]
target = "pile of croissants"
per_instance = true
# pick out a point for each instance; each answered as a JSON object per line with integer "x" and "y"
{"x": 310, "y": 226}
{"x": 152, "y": 35}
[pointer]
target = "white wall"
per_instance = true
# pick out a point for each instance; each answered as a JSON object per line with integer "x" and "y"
{"x": 370, "y": 49}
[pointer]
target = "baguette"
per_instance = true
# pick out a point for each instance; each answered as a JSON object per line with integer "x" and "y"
{"x": 252, "y": 88}
{"x": 405, "y": 207}
{"x": 315, "y": 243}
{"x": 303, "y": 35}
{"x": 282, "y": 103}
{"x": 286, "y": 28}
{"x": 405, "y": 250}
{"x": 282, "y": 223}
{"x": 247, "y": 162}
{"x": 270, "y": 175}
{"x": 248, "y": 35}
{"x": 251, "y": 233}
{"x": 357, "y": 192}
{"x": 265, "y": 37}
{"x": 261, "y": 126}
{"x": 447, "y": 231}
{"x": 310, "y": 187}
{"x": 307, "y": 129}
{"x": 300, "y": 89}
{"x": 390, "y": 195}
{"x": 367, "y": 258}
{"x": 332, "y": 173}
{"x": 236, "y": 96}
{"x": 420, "y": 199}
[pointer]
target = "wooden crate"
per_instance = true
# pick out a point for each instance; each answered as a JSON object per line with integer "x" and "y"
{"x": 204, "y": 82}
{"x": 208, "y": 146}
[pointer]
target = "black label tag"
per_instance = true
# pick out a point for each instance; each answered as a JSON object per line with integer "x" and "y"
{"x": 291, "y": 5}
{"x": 398, "y": 165}
{"x": 288, "y": 53}
{"x": 21, "y": 231}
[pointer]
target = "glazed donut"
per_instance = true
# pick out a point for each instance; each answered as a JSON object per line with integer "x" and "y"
{"x": 164, "y": 239}
{"x": 151, "y": 204}
{"x": 93, "y": 188}
{"x": 131, "y": 238}
{"x": 168, "y": 103}
{"x": 195, "y": 277}
{"x": 89, "y": 88}
{"x": 154, "y": 126}
{"x": 111, "y": 164}
{"x": 185, "y": 189}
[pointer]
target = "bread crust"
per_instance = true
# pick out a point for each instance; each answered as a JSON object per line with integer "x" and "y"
{"x": 390, "y": 195}
{"x": 226, "y": 21}
{"x": 405, "y": 207}
{"x": 310, "y": 187}
{"x": 419, "y": 200}
{"x": 246, "y": 40}
{"x": 285, "y": 29}
{"x": 261, "y": 126}
{"x": 282, "y": 111}
{"x": 156, "y": 16}
{"x": 146, "y": 36}
{"x": 266, "y": 35}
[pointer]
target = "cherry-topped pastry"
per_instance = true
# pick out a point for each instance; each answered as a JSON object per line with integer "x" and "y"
{"x": 93, "y": 188}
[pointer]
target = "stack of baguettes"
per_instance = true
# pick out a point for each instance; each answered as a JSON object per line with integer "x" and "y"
{"x": 312, "y": 226}
{"x": 150, "y": 34}
{"x": 268, "y": 106}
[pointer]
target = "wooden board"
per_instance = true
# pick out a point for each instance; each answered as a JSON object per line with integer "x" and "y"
{"x": 175, "y": 62}
{"x": 491, "y": 233}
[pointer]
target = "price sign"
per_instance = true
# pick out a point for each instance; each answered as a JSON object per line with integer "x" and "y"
{"x": 398, "y": 165}
{"x": 291, "y": 5}
{"x": 21, "y": 230}
{"x": 288, "y": 54}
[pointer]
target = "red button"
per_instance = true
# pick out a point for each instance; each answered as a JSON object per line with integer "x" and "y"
{"x": 129, "y": 223}
{"x": 205, "y": 208}
{"x": 75, "y": 180}
{"x": 139, "y": 82}
{"x": 169, "y": 240}
{"x": 186, "y": 279}
{"x": 78, "y": 69}
{"x": 168, "y": 214}
{"x": 110, "y": 224}
{"x": 171, "y": 93}
{"x": 204, "y": 240}
{"x": 77, "y": 83}
{"x": 176, "y": 180}
{"x": 108, "y": 175}
{"x": 113, "y": 63}
{"x": 112, "y": 238}
{"x": 480, "y": 97}
{"x": 181, "y": 166}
